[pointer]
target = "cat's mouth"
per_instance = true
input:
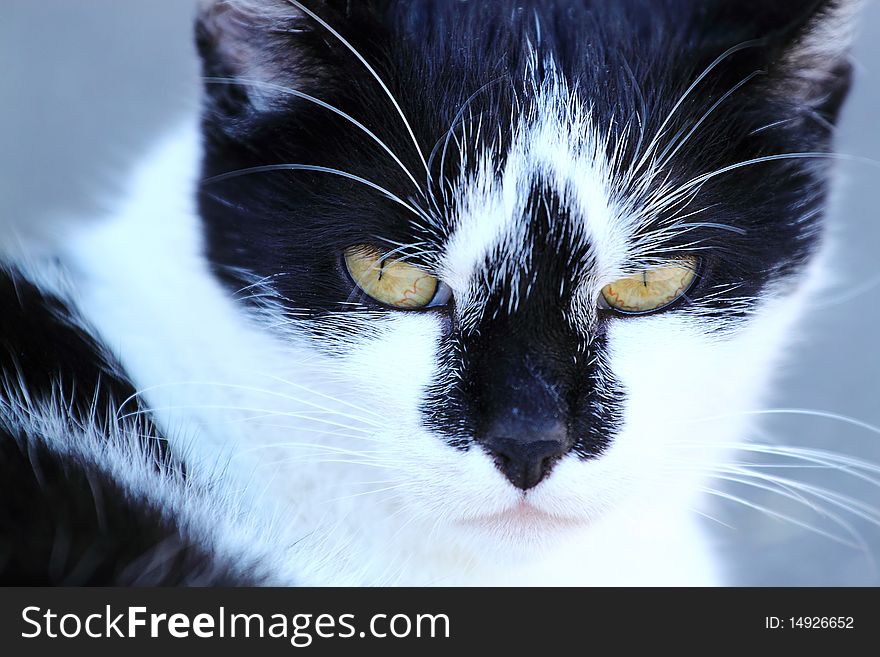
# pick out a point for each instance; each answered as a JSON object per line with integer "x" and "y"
{"x": 524, "y": 515}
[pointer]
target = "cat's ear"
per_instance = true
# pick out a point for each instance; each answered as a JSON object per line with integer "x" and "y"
{"x": 813, "y": 66}
{"x": 265, "y": 48}
{"x": 801, "y": 46}
{"x": 251, "y": 52}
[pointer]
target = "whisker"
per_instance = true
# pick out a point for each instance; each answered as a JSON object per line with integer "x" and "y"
{"x": 849, "y": 295}
{"x": 369, "y": 492}
{"x": 370, "y": 69}
{"x": 289, "y": 445}
{"x": 844, "y": 502}
{"x": 699, "y": 180}
{"x": 342, "y": 431}
{"x": 372, "y": 464}
{"x": 781, "y": 516}
{"x": 718, "y": 61}
{"x": 663, "y": 158}
{"x": 268, "y": 393}
{"x": 221, "y": 407}
{"x": 798, "y": 411}
{"x": 325, "y": 105}
{"x": 270, "y": 168}
{"x": 325, "y": 396}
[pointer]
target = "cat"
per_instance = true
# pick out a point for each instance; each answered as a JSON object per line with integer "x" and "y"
{"x": 426, "y": 292}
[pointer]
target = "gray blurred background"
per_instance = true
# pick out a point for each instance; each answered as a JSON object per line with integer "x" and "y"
{"x": 88, "y": 84}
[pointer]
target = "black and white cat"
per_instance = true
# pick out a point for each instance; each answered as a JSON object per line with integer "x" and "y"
{"x": 429, "y": 292}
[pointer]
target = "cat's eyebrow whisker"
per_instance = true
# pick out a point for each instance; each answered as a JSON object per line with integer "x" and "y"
{"x": 455, "y": 121}
{"x": 772, "y": 125}
{"x": 649, "y": 151}
{"x": 819, "y": 155}
{"x": 271, "y": 168}
{"x": 666, "y": 156}
{"x": 325, "y": 105}
{"x": 262, "y": 282}
{"x": 370, "y": 69}
{"x": 678, "y": 217}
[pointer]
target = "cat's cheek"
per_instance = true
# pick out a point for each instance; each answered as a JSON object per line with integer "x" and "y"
{"x": 392, "y": 366}
{"x": 674, "y": 369}
{"x": 679, "y": 379}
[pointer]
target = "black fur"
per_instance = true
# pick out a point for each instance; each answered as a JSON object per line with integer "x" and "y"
{"x": 64, "y": 520}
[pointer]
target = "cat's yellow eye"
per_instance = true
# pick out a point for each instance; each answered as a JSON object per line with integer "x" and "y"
{"x": 393, "y": 282}
{"x": 651, "y": 289}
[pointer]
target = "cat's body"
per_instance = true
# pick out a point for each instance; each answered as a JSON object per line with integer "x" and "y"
{"x": 330, "y": 439}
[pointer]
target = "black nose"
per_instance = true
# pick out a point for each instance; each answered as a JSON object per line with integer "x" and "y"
{"x": 526, "y": 451}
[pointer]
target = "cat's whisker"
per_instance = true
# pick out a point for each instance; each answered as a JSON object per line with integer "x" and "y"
{"x": 341, "y": 432}
{"x": 313, "y": 168}
{"x": 317, "y": 101}
{"x": 813, "y": 457}
{"x": 334, "y": 433}
{"x": 710, "y": 517}
{"x": 453, "y": 125}
{"x": 703, "y": 178}
{"x": 325, "y": 395}
{"x": 370, "y": 70}
{"x": 317, "y": 461}
{"x": 672, "y": 148}
{"x": 831, "y": 460}
{"x": 224, "y": 407}
{"x": 269, "y": 393}
{"x": 794, "y": 490}
{"x": 771, "y": 125}
{"x": 827, "y": 415}
{"x": 711, "y": 67}
{"x": 397, "y": 487}
{"x": 263, "y": 281}
{"x": 856, "y": 507}
{"x": 781, "y": 516}
{"x": 835, "y": 300}
{"x": 305, "y": 446}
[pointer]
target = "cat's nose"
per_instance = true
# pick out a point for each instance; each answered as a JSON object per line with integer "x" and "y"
{"x": 526, "y": 452}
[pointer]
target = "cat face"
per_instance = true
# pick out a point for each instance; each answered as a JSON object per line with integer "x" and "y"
{"x": 536, "y": 258}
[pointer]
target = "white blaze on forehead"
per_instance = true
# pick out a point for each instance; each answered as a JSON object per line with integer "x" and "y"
{"x": 557, "y": 145}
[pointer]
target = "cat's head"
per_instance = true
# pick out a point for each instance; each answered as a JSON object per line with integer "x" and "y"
{"x": 532, "y": 259}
